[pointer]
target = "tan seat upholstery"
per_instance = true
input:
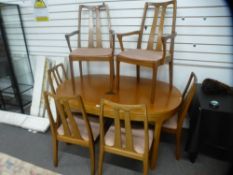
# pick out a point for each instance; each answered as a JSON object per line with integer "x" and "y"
{"x": 83, "y": 130}
{"x": 138, "y": 138}
{"x": 91, "y": 53}
{"x": 171, "y": 123}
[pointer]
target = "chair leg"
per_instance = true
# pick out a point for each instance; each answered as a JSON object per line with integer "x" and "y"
{"x": 117, "y": 75}
{"x": 55, "y": 152}
{"x": 72, "y": 75}
{"x": 101, "y": 159}
{"x": 138, "y": 73}
{"x": 178, "y": 145}
{"x": 92, "y": 159}
{"x": 80, "y": 69}
{"x": 111, "y": 62}
{"x": 153, "y": 86}
{"x": 171, "y": 73}
{"x": 155, "y": 145}
{"x": 145, "y": 166}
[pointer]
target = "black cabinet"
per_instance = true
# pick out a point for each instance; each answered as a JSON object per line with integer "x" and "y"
{"x": 16, "y": 79}
{"x": 211, "y": 129}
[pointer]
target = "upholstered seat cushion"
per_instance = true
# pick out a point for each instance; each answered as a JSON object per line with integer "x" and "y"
{"x": 94, "y": 123}
{"x": 141, "y": 55}
{"x": 171, "y": 123}
{"x": 91, "y": 53}
{"x": 138, "y": 138}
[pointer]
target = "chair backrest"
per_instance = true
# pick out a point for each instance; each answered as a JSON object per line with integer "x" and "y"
{"x": 66, "y": 117}
{"x": 95, "y": 14}
{"x": 187, "y": 97}
{"x": 123, "y": 115}
{"x": 56, "y": 76}
{"x": 158, "y": 23}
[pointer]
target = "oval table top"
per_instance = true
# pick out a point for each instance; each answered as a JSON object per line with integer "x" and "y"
{"x": 93, "y": 88}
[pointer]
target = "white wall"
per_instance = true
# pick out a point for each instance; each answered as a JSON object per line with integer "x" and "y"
{"x": 204, "y": 42}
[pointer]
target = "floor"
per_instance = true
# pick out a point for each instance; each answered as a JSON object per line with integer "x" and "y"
{"x": 36, "y": 148}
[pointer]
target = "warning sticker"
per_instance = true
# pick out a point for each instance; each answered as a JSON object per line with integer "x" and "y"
{"x": 41, "y": 10}
{"x": 39, "y": 4}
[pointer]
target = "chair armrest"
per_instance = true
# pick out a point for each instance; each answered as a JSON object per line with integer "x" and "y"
{"x": 120, "y": 35}
{"x": 164, "y": 43}
{"x": 68, "y": 35}
{"x": 112, "y": 44}
{"x": 166, "y": 37}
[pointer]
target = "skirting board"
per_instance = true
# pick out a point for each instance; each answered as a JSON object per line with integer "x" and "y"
{"x": 32, "y": 123}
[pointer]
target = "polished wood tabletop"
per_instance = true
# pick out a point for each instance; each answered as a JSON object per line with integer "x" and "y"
{"x": 93, "y": 88}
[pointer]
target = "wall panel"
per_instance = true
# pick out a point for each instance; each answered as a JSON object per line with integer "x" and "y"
{"x": 204, "y": 41}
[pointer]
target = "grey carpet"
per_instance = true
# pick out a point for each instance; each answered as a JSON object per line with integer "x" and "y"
{"x": 73, "y": 160}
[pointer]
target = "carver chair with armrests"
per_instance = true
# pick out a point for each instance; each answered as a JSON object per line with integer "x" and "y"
{"x": 122, "y": 138}
{"x": 94, "y": 51}
{"x": 70, "y": 127}
{"x": 56, "y": 76}
{"x": 174, "y": 124}
{"x": 152, "y": 56}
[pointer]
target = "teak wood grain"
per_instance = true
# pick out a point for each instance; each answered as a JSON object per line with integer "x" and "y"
{"x": 152, "y": 56}
{"x": 93, "y": 88}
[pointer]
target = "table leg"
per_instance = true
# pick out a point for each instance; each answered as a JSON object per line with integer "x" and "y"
{"x": 155, "y": 145}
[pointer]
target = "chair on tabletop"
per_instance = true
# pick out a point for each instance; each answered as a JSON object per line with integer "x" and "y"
{"x": 174, "y": 124}
{"x": 152, "y": 56}
{"x": 70, "y": 127}
{"x": 95, "y": 50}
{"x": 56, "y": 76}
{"x": 122, "y": 138}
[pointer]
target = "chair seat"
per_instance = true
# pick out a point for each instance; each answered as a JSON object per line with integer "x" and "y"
{"x": 171, "y": 123}
{"x": 138, "y": 138}
{"x": 91, "y": 53}
{"x": 94, "y": 123}
{"x": 139, "y": 55}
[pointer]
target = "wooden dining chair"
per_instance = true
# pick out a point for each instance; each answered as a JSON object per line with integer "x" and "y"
{"x": 56, "y": 76}
{"x": 95, "y": 50}
{"x": 174, "y": 124}
{"x": 122, "y": 138}
{"x": 156, "y": 53}
{"x": 71, "y": 128}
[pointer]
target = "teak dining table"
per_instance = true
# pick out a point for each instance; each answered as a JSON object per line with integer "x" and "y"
{"x": 93, "y": 88}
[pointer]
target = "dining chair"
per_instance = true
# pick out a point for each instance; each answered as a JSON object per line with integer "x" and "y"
{"x": 174, "y": 125}
{"x": 122, "y": 138}
{"x": 70, "y": 127}
{"x": 95, "y": 50}
{"x": 156, "y": 53}
{"x": 56, "y": 76}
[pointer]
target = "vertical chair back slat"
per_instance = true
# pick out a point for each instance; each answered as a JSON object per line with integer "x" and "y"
{"x": 117, "y": 124}
{"x": 128, "y": 132}
{"x": 142, "y": 26}
{"x": 74, "y": 129}
{"x": 90, "y": 29}
{"x": 153, "y": 29}
{"x": 98, "y": 30}
{"x": 161, "y": 27}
